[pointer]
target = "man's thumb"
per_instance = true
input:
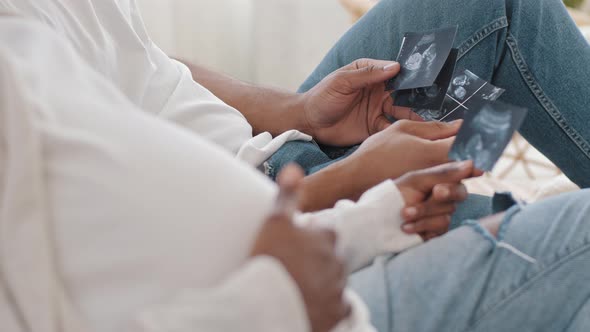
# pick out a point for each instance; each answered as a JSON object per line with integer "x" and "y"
{"x": 371, "y": 72}
{"x": 289, "y": 180}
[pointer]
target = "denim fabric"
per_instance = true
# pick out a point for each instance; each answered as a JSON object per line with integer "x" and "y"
{"x": 531, "y": 48}
{"x": 535, "y": 276}
{"x": 477, "y": 206}
{"x": 309, "y": 155}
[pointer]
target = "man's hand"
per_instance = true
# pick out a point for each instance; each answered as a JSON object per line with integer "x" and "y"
{"x": 431, "y": 196}
{"x": 350, "y": 105}
{"x": 308, "y": 255}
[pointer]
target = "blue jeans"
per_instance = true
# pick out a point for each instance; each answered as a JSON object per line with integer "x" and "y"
{"x": 536, "y": 275}
{"x": 531, "y": 48}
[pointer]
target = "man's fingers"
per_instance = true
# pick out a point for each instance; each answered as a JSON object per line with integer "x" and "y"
{"x": 403, "y": 113}
{"x": 365, "y": 72}
{"x": 438, "y": 225}
{"x": 288, "y": 180}
{"x": 439, "y": 150}
{"x": 449, "y": 192}
{"x": 427, "y": 179}
{"x": 430, "y": 130}
{"x": 381, "y": 123}
{"x": 426, "y": 210}
{"x": 478, "y": 173}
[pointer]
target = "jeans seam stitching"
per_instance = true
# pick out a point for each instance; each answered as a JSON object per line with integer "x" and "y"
{"x": 531, "y": 281}
{"x": 481, "y": 34}
{"x": 542, "y": 98}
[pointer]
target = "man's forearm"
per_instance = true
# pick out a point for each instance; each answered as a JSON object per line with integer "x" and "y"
{"x": 266, "y": 109}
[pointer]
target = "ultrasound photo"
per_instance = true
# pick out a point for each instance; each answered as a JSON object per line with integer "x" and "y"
{"x": 432, "y": 97}
{"x": 486, "y": 132}
{"x": 466, "y": 89}
{"x": 422, "y": 56}
{"x": 466, "y": 85}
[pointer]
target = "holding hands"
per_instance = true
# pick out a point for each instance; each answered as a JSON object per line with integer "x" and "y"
{"x": 431, "y": 197}
{"x": 350, "y": 107}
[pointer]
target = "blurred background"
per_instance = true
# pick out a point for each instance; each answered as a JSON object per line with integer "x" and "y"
{"x": 276, "y": 42}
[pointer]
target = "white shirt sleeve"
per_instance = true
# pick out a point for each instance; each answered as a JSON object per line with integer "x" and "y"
{"x": 194, "y": 107}
{"x": 368, "y": 228}
{"x": 260, "y": 297}
{"x": 111, "y": 38}
{"x": 141, "y": 211}
{"x": 262, "y": 290}
{"x": 173, "y": 94}
{"x": 113, "y": 277}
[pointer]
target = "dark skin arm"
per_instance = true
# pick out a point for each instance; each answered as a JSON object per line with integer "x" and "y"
{"x": 401, "y": 148}
{"x": 266, "y": 109}
{"x": 344, "y": 109}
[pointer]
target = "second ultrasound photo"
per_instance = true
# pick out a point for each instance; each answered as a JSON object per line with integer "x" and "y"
{"x": 486, "y": 132}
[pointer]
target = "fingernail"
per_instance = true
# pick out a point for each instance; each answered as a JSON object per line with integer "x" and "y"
{"x": 390, "y": 66}
{"x": 444, "y": 192}
{"x": 465, "y": 164}
{"x": 411, "y": 212}
{"x": 408, "y": 228}
{"x": 456, "y": 122}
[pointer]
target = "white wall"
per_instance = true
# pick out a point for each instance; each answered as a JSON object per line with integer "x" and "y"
{"x": 276, "y": 42}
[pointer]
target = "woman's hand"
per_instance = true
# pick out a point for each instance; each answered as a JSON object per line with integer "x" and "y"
{"x": 403, "y": 147}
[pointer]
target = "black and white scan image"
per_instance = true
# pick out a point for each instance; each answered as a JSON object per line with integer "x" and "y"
{"x": 432, "y": 97}
{"x": 422, "y": 56}
{"x": 466, "y": 85}
{"x": 486, "y": 132}
{"x": 465, "y": 91}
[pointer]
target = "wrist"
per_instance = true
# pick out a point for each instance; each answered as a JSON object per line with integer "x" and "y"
{"x": 297, "y": 113}
{"x": 341, "y": 180}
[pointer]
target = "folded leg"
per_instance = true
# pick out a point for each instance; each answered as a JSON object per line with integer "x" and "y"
{"x": 532, "y": 48}
{"x": 534, "y": 274}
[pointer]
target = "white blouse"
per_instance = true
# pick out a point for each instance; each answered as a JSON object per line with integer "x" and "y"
{"x": 118, "y": 219}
